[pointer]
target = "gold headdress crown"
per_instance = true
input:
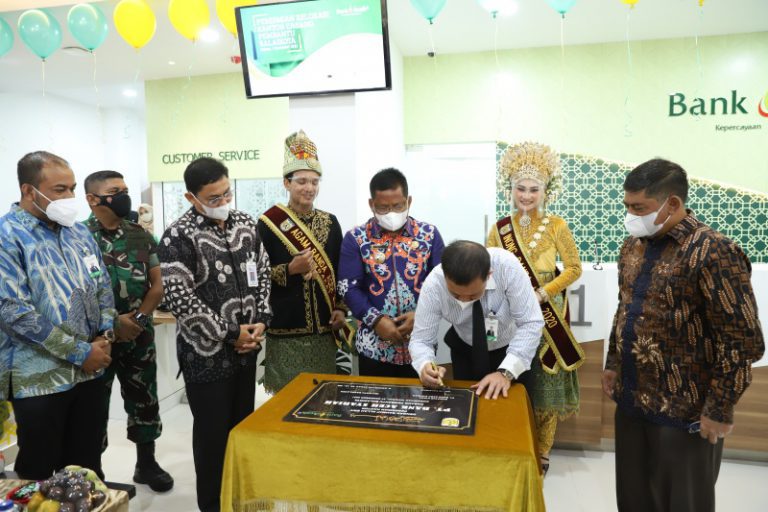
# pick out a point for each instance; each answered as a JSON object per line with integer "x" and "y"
{"x": 300, "y": 154}
{"x": 531, "y": 161}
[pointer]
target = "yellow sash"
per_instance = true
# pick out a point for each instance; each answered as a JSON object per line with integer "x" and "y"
{"x": 297, "y": 237}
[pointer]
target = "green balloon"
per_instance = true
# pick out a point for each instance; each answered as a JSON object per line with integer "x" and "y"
{"x": 429, "y": 9}
{"x": 40, "y": 32}
{"x": 88, "y": 25}
{"x": 6, "y": 37}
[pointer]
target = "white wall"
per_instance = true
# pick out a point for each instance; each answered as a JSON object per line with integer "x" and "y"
{"x": 89, "y": 139}
{"x": 356, "y": 135}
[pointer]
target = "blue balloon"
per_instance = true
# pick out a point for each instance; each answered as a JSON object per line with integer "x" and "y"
{"x": 40, "y": 32}
{"x": 6, "y": 37}
{"x": 561, "y": 6}
{"x": 88, "y": 25}
{"x": 429, "y": 9}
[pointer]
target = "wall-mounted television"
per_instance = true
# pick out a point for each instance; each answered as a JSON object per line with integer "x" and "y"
{"x": 314, "y": 47}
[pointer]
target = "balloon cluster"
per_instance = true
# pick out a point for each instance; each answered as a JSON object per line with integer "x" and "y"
{"x": 429, "y": 9}
{"x": 134, "y": 20}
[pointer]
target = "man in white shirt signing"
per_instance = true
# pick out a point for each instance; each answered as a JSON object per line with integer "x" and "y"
{"x": 496, "y": 320}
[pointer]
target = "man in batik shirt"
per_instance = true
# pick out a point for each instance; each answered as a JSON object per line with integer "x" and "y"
{"x": 383, "y": 265}
{"x": 684, "y": 338}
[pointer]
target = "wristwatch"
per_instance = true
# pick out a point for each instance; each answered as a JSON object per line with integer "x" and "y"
{"x": 142, "y": 319}
{"x": 507, "y": 374}
{"x": 109, "y": 335}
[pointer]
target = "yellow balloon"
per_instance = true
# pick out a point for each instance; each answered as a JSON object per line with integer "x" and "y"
{"x": 225, "y": 9}
{"x": 135, "y": 22}
{"x": 630, "y": 3}
{"x": 189, "y": 17}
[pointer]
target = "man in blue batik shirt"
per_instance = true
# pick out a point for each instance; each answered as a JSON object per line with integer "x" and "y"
{"x": 382, "y": 267}
{"x": 56, "y": 316}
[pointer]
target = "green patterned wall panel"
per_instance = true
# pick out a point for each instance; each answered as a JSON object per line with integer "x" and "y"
{"x": 591, "y": 203}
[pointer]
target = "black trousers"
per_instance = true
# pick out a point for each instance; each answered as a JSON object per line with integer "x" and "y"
{"x": 375, "y": 368}
{"x": 59, "y": 430}
{"x": 461, "y": 360}
{"x": 663, "y": 469}
{"x": 216, "y": 408}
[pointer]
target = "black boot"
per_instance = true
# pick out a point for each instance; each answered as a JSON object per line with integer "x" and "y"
{"x": 148, "y": 471}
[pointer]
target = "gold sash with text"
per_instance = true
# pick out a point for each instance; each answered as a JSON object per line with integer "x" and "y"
{"x": 561, "y": 349}
{"x": 297, "y": 237}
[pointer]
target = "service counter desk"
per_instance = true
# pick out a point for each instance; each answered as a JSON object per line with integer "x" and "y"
{"x": 272, "y": 464}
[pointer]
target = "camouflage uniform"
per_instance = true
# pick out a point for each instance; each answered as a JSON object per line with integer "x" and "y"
{"x": 129, "y": 253}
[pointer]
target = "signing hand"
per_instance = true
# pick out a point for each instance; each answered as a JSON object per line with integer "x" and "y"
{"x": 432, "y": 376}
{"x": 495, "y": 383}
{"x": 387, "y": 330}
{"x": 608, "y": 381}
{"x": 713, "y": 430}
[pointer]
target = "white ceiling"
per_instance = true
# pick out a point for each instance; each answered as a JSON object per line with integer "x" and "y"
{"x": 462, "y": 26}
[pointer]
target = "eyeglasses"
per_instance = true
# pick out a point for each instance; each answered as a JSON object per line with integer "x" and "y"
{"x": 306, "y": 181}
{"x": 398, "y": 208}
{"x": 217, "y": 200}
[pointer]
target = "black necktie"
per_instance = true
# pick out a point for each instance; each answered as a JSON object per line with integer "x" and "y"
{"x": 480, "y": 362}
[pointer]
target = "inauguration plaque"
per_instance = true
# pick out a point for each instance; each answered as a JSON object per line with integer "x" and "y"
{"x": 389, "y": 406}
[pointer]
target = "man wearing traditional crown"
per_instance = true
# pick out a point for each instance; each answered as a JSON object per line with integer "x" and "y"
{"x": 303, "y": 244}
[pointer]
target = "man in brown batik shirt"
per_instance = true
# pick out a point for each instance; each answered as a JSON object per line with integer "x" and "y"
{"x": 684, "y": 338}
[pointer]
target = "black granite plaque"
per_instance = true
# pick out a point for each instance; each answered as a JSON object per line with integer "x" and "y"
{"x": 389, "y": 406}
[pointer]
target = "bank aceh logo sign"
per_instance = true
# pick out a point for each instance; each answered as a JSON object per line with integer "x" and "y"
{"x": 762, "y": 105}
{"x": 733, "y": 106}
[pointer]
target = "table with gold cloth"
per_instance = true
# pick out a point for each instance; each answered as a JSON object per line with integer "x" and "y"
{"x": 284, "y": 466}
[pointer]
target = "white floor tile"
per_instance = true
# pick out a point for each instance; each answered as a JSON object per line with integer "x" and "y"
{"x": 578, "y": 481}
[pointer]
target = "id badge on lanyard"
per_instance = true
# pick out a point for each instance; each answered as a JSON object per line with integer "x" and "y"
{"x": 491, "y": 327}
{"x": 252, "y": 270}
{"x": 92, "y": 264}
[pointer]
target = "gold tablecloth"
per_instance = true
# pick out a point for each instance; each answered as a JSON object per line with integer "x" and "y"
{"x": 117, "y": 501}
{"x": 273, "y": 464}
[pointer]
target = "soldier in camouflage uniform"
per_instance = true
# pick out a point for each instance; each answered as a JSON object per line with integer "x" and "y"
{"x": 130, "y": 256}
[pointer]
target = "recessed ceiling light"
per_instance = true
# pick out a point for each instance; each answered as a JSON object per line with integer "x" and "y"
{"x": 129, "y": 93}
{"x": 208, "y": 35}
{"x": 171, "y": 62}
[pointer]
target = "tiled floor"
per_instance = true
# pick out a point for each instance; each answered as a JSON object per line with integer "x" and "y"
{"x": 577, "y": 481}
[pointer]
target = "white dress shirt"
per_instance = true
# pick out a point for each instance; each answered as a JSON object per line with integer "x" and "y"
{"x": 508, "y": 294}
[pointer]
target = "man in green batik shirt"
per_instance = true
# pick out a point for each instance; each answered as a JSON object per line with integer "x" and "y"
{"x": 130, "y": 256}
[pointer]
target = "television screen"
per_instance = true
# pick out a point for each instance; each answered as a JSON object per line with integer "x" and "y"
{"x": 314, "y": 47}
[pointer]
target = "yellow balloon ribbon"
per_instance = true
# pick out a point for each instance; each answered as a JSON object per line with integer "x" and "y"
{"x": 225, "y": 10}
{"x": 189, "y": 17}
{"x": 135, "y": 22}
{"x": 630, "y": 3}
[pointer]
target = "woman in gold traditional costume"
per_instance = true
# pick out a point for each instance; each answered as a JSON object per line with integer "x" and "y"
{"x": 530, "y": 178}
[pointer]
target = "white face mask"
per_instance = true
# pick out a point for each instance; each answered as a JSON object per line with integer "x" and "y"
{"x": 643, "y": 225}
{"x": 218, "y": 213}
{"x": 146, "y": 217}
{"x": 464, "y": 304}
{"x": 392, "y": 221}
{"x": 61, "y": 211}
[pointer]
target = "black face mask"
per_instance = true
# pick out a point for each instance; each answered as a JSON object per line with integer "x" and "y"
{"x": 120, "y": 204}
